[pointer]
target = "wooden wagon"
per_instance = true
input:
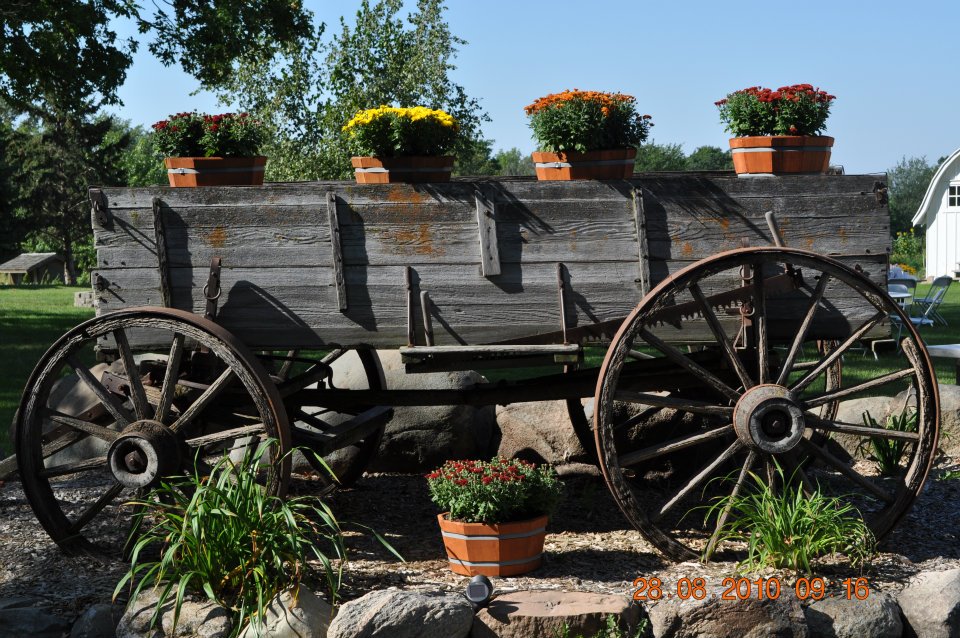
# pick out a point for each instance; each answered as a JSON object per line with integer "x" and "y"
{"x": 223, "y": 315}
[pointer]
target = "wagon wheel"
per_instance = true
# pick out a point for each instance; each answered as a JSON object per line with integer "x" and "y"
{"x": 157, "y": 415}
{"x": 347, "y": 463}
{"x": 764, "y": 403}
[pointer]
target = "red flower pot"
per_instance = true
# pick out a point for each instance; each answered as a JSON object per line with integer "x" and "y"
{"x": 505, "y": 549}
{"x": 781, "y": 154}
{"x": 215, "y": 171}
{"x": 610, "y": 164}
{"x": 409, "y": 169}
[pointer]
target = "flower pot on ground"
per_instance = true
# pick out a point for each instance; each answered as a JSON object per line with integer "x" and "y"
{"x": 393, "y": 144}
{"x": 496, "y": 517}
{"x": 211, "y": 150}
{"x": 778, "y": 132}
{"x": 586, "y": 135}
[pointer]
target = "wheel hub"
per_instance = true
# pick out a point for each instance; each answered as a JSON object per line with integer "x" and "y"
{"x": 145, "y": 452}
{"x": 767, "y": 418}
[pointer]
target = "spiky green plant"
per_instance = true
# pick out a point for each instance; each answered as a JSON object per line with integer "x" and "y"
{"x": 887, "y": 453}
{"x": 611, "y": 629}
{"x": 788, "y": 528}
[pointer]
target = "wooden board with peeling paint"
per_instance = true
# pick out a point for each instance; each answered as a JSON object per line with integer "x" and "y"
{"x": 616, "y": 239}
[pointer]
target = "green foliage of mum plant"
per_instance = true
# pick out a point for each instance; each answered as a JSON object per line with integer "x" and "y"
{"x": 583, "y": 121}
{"x": 800, "y": 109}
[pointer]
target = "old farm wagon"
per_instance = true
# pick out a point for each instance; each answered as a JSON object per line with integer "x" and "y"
{"x": 224, "y": 315}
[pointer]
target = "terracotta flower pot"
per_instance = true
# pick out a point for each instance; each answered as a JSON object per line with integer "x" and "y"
{"x": 610, "y": 164}
{"x": 215, "y": 171}
{"x": 781, "y": 154}
{"x": 410, "y": 169}
{"x": 506, "y": 549}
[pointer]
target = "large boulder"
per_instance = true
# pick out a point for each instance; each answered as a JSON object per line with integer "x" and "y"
{"x": 931, "y": 605}
{"x": 877, "y": 616}
{"x": 198, "y": 619}
{"x": 27, "y": 617}
{"x": 949, "y": 418}
{"x": 852, "y": 412}
{"x": 420, "y": 438}
{"x": 403, "y": 614}
{"x": 289, "y": 615}
{"x": 538, "y": 431}
{"x": 97, "y": 621}
{"x": 524, "y": 614}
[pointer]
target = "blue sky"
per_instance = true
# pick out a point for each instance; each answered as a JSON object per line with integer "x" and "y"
{"x": 892, "y": 66}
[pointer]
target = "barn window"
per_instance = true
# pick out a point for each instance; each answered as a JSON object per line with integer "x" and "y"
{"x": 953, "y": 196}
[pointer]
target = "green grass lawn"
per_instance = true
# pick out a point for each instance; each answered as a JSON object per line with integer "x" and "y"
{"x": 31, "y": 319}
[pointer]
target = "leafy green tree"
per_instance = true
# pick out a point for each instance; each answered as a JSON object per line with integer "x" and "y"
{"x": 513, "y": 162}
{"x": 308, "y": 91}
{"x": 907, "y": 182}
{"x": 141, "y": 163}
{"x": 659, "y": 157}
{"x": 709, "y": 158}
{"x": 478, "y": 160}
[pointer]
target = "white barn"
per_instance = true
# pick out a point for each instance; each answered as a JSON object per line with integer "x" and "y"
{"x": 940, "y": 213}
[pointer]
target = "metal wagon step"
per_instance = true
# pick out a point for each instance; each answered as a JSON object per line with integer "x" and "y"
{"x": 335, "y": 437}
{"x": 463, "y": 357}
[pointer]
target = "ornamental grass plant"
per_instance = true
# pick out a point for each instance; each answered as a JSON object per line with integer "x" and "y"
{"x": 388, "y": 131}
{"x": 200, "y": 135}
{"x": 787, "y": 528}
{"x": 799, "y": 109}
{"x": 497, "y": 491}
{"x": 582, "y": 121}
{"x": 888, "y": 453}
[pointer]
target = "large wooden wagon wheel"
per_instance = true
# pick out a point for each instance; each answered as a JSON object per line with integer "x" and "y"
{"x": 743, "y": 318}
{"x": 195, "y": 395}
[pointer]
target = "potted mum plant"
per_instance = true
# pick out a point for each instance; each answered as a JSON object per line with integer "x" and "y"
{"x": 586, "y": 135}
{"x": 495, "y": 514}
{"x": 778, "y": 132}
{"x": 211, "y": 150}
{"x": 401, "y": 144}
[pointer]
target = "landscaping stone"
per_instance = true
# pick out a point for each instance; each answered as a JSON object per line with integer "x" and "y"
{"x": 538, "y": 431}
{"x": 306, "y": 616}
{"x": 97, "y": 621}
{"x": 198, "y": 619}
{"x": 949, "y": 418}
{"x": 525, "y": 614}
{"x": 421, "y": 438}
{"x": 392, "y": 613}
{"x": 72, "y": 396}
{"x": 878, "y": 616}
{"x": 931, "y": 605}
{"x": 21, "y": 617}
{"x": 852, "y": 412}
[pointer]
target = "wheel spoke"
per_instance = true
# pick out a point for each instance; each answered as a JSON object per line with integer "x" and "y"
{"x": 760, "y": 323}
{"x": 92, "y": 511}
{"x": 846, "y": 470}
{"x": 333, "y": 355}
{"x": 804, "y": 328}
{"x": 203, "y": 400}
{"x": 721, "y": 336}
{"x": 685, "y": 405}
{"x": 73, "y": 468}
{"x": 796, "y": 469}
{"x": 836, "y": 395}
{"x": 109, "y": 402}
{"x": 725, "y": 513}
{"x": 700, "y": 477}
{"x": 102, "y": 433}
{"x": 287, "y": 366}
{"x": 838, "y": 352}
{"x": 170, "y": 378}
{"x": 666, "y": 447}
{"x": 137, "y": 394}
{"x": 695, "y": 369}
{"x": 226, "y": 435}
{"x": 859, "y": 430}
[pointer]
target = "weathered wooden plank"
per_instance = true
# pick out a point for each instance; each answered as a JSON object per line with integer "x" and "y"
{"x": 336, "y": 256}
{"x": 487, "y": 237}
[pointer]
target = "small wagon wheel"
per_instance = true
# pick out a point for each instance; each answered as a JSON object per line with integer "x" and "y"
{"x": 199, "y": 395}
{"x": 350, "y": 461}
{"x": 760, "y": 401}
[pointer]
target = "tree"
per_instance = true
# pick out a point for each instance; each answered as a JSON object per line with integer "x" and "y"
{"x": 478, "y": 160}
{"x": 709, "y": 158}
{"x": 513, "y": 162}
{"x": 308, "y": 91}
{"x": 659, "y": 157}
{"x": 907, "y": 183}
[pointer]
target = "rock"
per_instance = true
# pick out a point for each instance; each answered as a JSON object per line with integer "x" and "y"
{"x": 198, "y": 619}
{"x": 877, "y": 616}
{"x": 525, "y": 614}
{"x": 21, "y": 617}
{"x": 307, "y": 616}
{"x": 403, "y": 614}
{"x": 538, "y": 431}
{"x": 931, "y": 605}
{"x": 852, "y": 412}
{"x": 949, "y": 418}
{"x": 421, "y": 438}
{"x": 97, "y": 621}
{"x": 72, "y": 396}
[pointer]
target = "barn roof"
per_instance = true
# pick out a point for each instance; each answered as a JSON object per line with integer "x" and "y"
{"x": 27, "y": 262}
{"x": 933, "y": 197}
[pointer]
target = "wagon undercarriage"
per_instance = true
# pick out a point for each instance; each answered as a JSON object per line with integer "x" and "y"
{"x": 718, "y": 360}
